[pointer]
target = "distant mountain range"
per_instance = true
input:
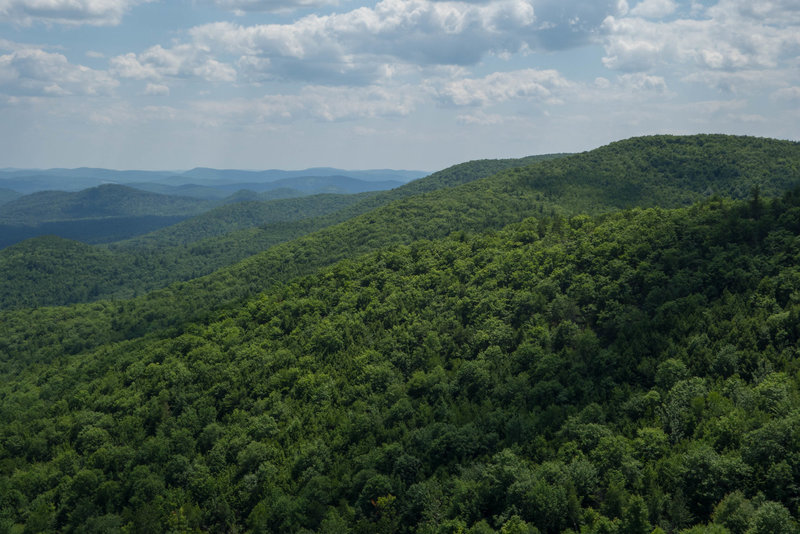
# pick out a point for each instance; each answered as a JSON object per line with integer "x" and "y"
{"x": 100, "y": 211}
{"x": 27, "y": 181}
{"x": 280, "y": 188}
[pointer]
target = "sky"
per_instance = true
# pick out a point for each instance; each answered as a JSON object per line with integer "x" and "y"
{"x": 412, "y": 84}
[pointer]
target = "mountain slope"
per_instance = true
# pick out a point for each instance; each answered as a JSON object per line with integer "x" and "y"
{"x": 609, "y": 374}
{"x": 98, "y": 202}
{"x": 225, "y": 235}
{"x": 238, "y": 216}
{"x": 7, "y": 195}
{"x": 50, "y": 270}
{"x": 565, "y": 186}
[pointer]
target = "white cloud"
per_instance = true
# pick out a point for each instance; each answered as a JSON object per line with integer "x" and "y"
{"x": 68, "y": 12}
{"x": 181, "y": 61}
{"x": 779, "y": 13}
{"x": 542, "y": 85}
{"x": 416, "y": 31}
{"x": 373, "y": 43}
{"x": 32, "y": 71}
{"x": 727, "y": 38}
{"x": 641, "y": 82}
{"x": 654, "y": 9}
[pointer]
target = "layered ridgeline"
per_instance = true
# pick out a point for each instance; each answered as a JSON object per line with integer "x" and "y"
{"x": 100, "y": 214}
{"x": 615, "y": 374}
{"x": 111, "y": 212}
{"x": 7, "y": 195}
{"x": 662, "y": 170}
{"x": 197, "y": 246}
{"x": 50, "y": 270}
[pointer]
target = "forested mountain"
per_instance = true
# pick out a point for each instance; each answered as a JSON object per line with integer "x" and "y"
{"x": 612, "y": 374}
{"x": 281, "y": 188}
{"x": 217, "y": 176}
{"x": 51, "y": 270}
{"x": 32, "y": 180}
{"x": 567, "y": 185}
{"x": 527, "y": 351}
{"x": 241, "y": 215}
{"x": 104, "y": 201}
{"x": 7, "y": 195}
{"x": 221, "y": 237}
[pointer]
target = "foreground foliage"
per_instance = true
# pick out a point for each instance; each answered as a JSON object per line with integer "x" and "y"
{"x": 620, "y": 373}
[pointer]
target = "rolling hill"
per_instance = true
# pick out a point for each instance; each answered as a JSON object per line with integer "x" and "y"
{"x": 554, "y": 187}
{"x": 105, "y": 201}
{"x": 228, "y": 234}
{"x": 7, "y": 195}
{"x": 634, "y": 372}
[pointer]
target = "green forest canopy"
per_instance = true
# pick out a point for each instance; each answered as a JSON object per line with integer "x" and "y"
{"x": 619, "y": 372}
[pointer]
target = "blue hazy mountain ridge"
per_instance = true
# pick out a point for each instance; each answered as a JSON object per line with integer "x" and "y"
{"x": 133, "y": 210}
{"x": 95, "y": 215}
{"x": 271, "y": 175}
{"x": 31, "y": 180}
{"x": 293, "y": 186}
{"x": 7, "y": 195}
{"x": 203, "y": 243}
{"x": 103, "y": 201}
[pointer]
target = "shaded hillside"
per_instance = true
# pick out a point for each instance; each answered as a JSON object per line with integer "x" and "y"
{"x": 220, "y": 176}
{"x": 50, "y": 270}
{"x": 611, "y": 374}
{"x": 7, "y": 195}
{"x": 323, "y": 184}
{"x": 238, "y": 216}
{"x": 100, "y": 202}
{"x": 281, "y": 188}
{"x": 539, "y": 190}
{"x": 90, "y": 231}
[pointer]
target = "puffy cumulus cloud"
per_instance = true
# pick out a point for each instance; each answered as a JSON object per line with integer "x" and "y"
{"x": 35, "y": 72}
{"x": 562, "y": 24}
{"x": 780, "y": 13}
{"x": 635, "y": 44}
{"x": 641, "y": 82}
{"x": 69, "y": 12}
{"x": 417, "y": 31}
{"x": 369, "y": 43}
{"x": 320, "y": 103}
{"x": 181, "y": 61}
{"x": 498, "y": 87}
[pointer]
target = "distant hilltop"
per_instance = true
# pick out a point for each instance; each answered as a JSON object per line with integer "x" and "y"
{"x": 27, "y": 181}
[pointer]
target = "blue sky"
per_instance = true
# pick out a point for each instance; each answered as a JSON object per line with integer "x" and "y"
{"x": 415, "y": 84}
